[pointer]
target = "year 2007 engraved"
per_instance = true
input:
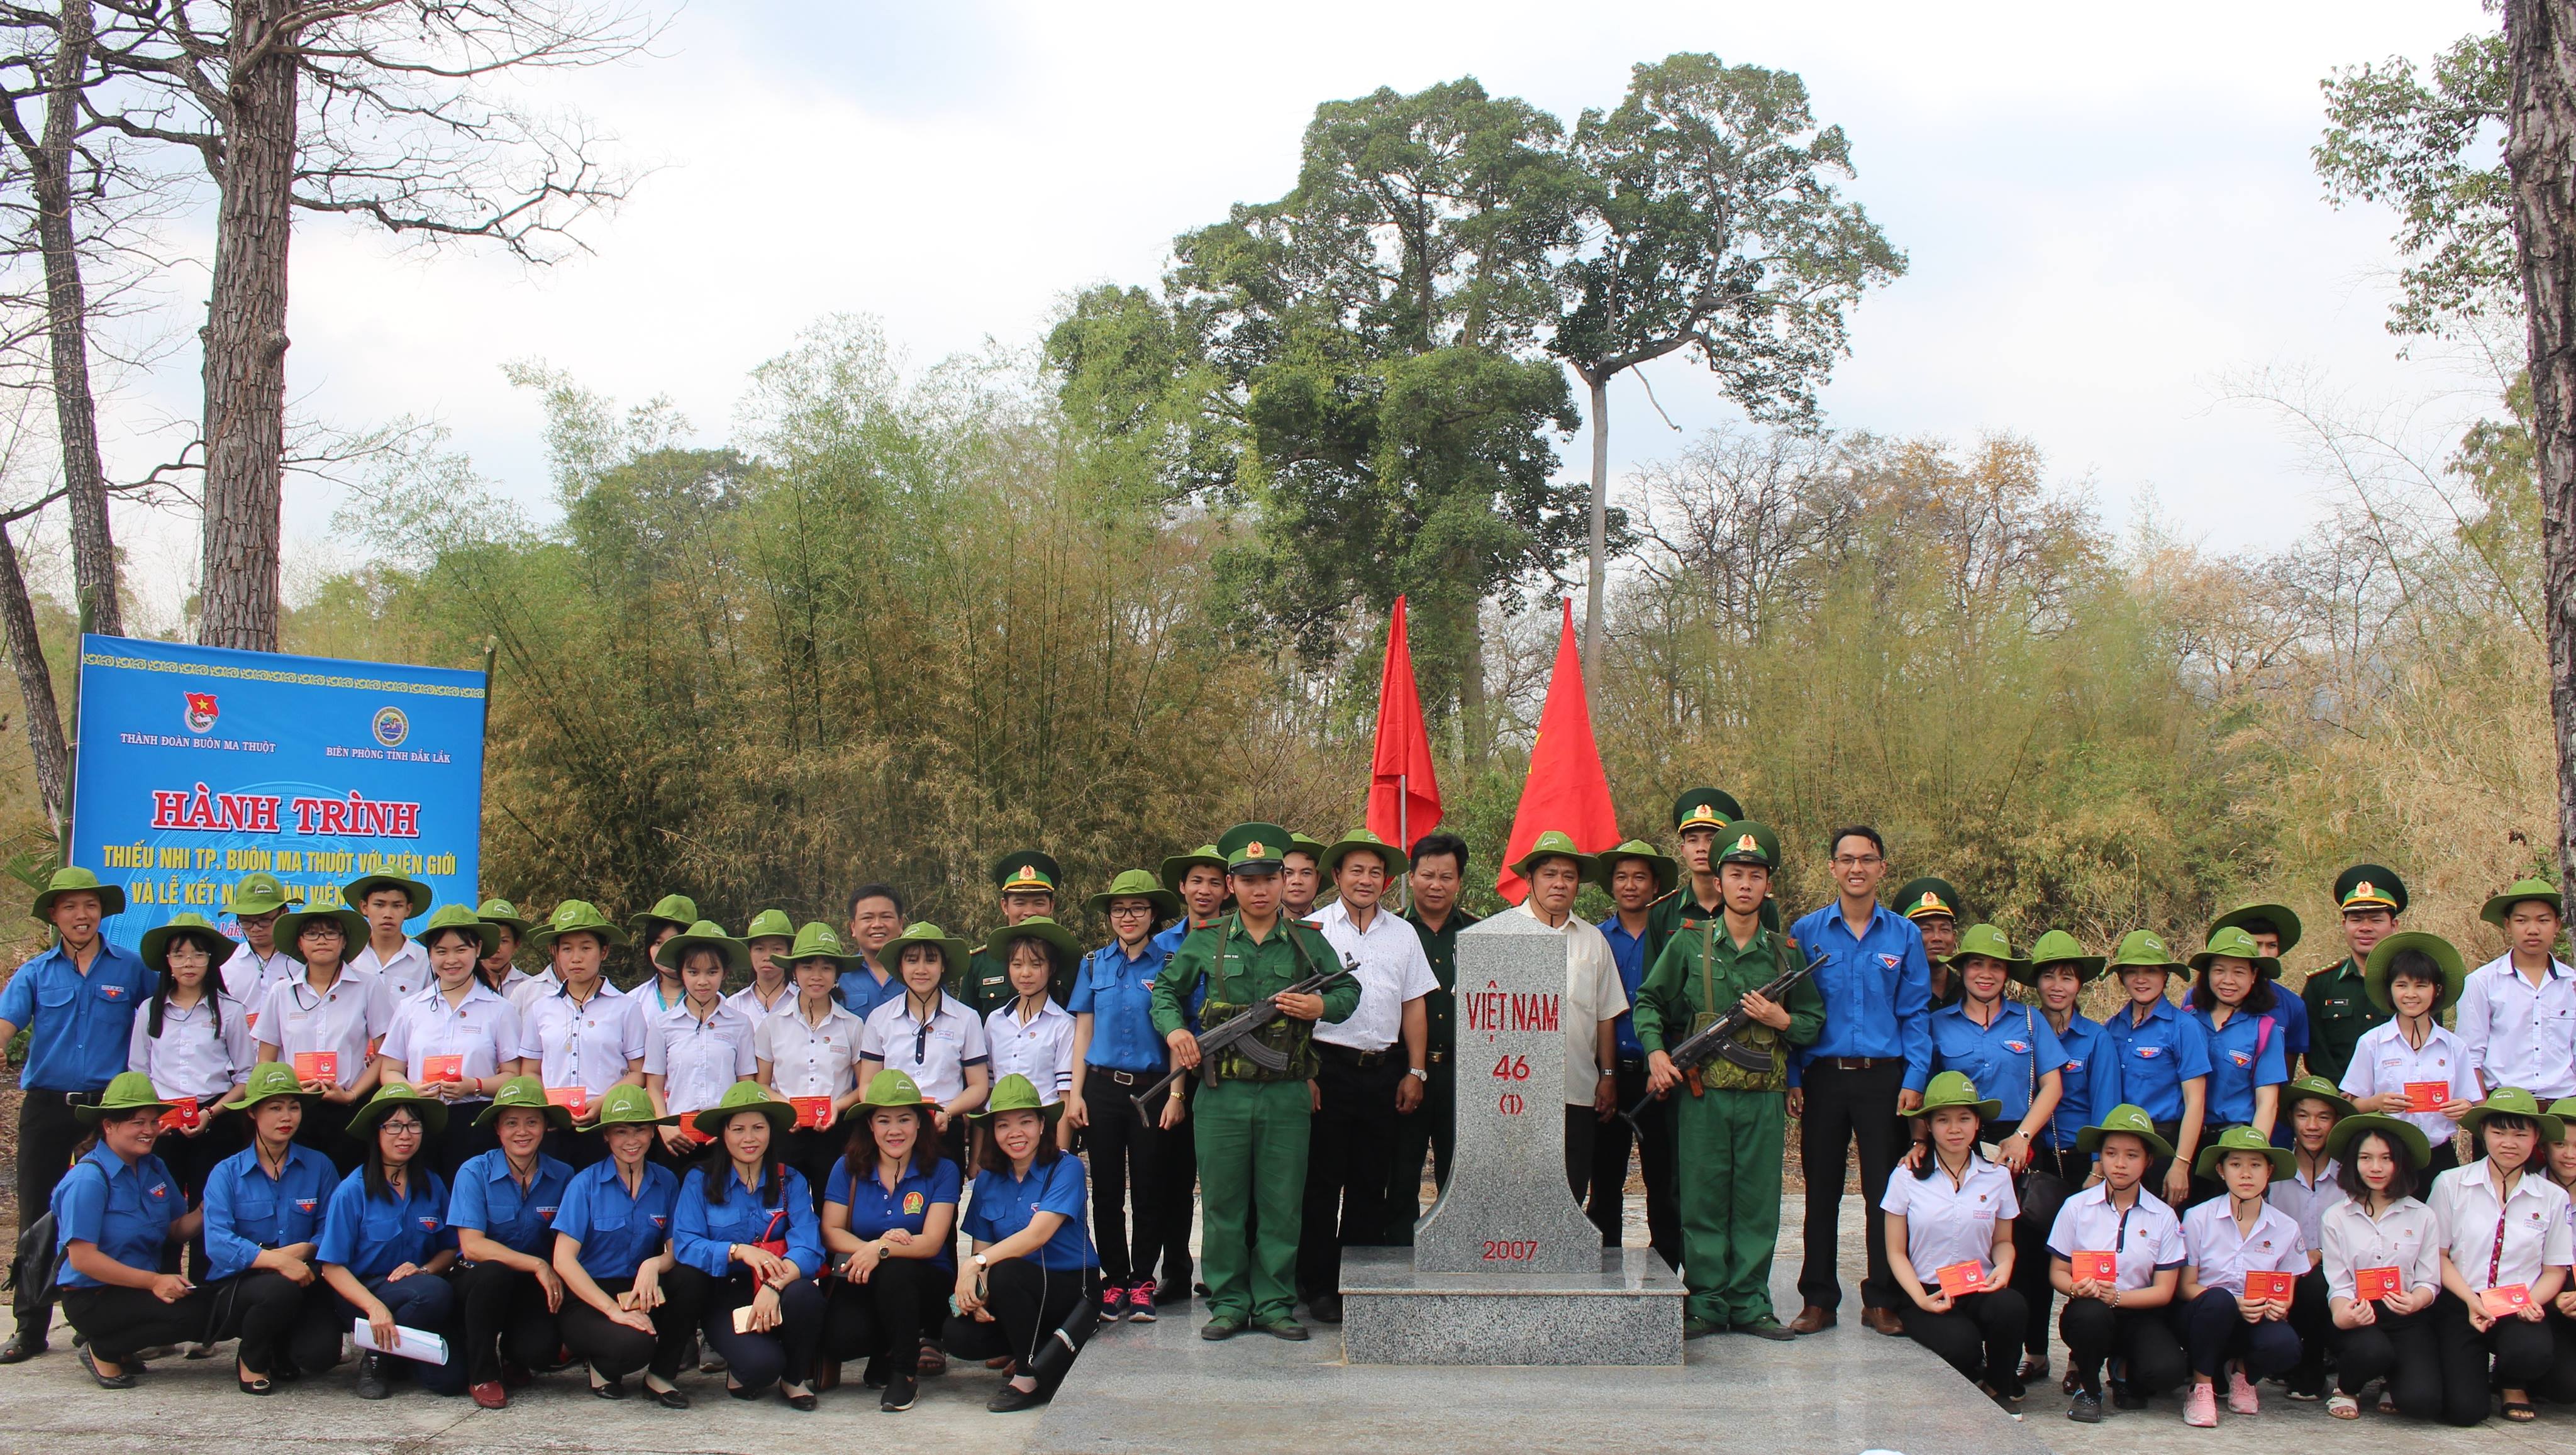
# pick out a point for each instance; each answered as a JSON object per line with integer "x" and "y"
{"x": 1510, "y": 1250}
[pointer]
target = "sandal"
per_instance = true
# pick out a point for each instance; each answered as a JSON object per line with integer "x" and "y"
{"x": 2519, "y": 1411}
{"x": 934, "y": 1360}
{"x": 2343, "y": 1406}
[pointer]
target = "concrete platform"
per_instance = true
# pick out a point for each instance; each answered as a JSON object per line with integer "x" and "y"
{"x": 1628, "y": 1312}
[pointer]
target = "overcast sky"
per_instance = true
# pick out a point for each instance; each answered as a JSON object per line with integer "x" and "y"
{"x": 2109, "y": 214}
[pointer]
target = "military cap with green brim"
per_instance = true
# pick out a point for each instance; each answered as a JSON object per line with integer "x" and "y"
{"x": 951, "y": 949}
{"x": 290, "y": 930}
{"x": 1027, "y": 870}
{"x": 2124, "y": 1120}
{"x": 1178, "y": 866}
{"x": 2244, "y": 1139}
{"x": 1039, "y": 927}
{"x": 257, "y": 894}
{"x": 2057, "y": 947}
{"x": 393, "y": 1094}
{"x": 73, "y": 879}
{"x": 1363, "y": 841}
{"x": 2376, "y": 970}
{"x": 819, "y": 941}
{"x": 2523, "y": 891}
{"x": 128, "y": 1091}
{"x": 890, "y": 1089}
{"x": 2283, "y": 922}
{"x": 1137, "y": 884}
{"x": 574, "y": 916}
{"x": 1312, "y": 846}
{"x": 503, "y": 912}
{"x": 2513, "y": 1101}
{"x": 155, "y": 946}
{"x": 745, "y": 1096}
{"x": 678, "y": 911}
{"x": 1253, "y": 848}
{"x": 267, "y": 1081}
{"x": 769, "y": 924}
{"x": 1953, "y": 1088}
{"x": 2232, "y": 943}
{"x": 2144, "y": 950}
{"x": 1990, "y": 942}
{"x": 1666, "y": 869}
{"x": 1929, "y": 895}
{"x": 1747, "y": 842}
{"x": 355, "y": 892}
{"x": 705, "y": 934}
{"x": 2370, "y": 886}
{"x": 629, "y": 1106}
{"x": 2419, "y": 1148}
{"x": 2315, "y": 1088}
{"x": 1557, "y": 844}
{"x": 529, "y": 1092}
{"x": 1016, "y": 1093}
{"x": 1706, "y": 808}
{"x": 458, "y": 917}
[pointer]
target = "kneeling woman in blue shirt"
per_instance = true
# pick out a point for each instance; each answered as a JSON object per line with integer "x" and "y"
{"x": 503, "y": 1212}
{"x": 263, "y": 1212}
{"x": 113, "y": 1212}
{"x": 613, "y": 1252}
{"x": 748, "y": 1248}
{"x": 1027, "y": 1292}
{"x": 889, "y": 1220}
{"x": 385, "y": 1240}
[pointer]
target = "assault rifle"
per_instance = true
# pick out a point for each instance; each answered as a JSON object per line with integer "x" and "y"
{"x": 1238, "y": 1032}
{"x": 1719, "y": 1038}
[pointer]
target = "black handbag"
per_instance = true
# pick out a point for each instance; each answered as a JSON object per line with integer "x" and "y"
{"x": 2040, "y": 1193}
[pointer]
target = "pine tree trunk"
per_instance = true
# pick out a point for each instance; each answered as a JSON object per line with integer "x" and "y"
{"x": 67, "y": 329}
{"x": 1600, "y": 543}
{"x": 35, "y": 682}
{"x": 2540, "y": 151}
{"x": 245, "y": 342}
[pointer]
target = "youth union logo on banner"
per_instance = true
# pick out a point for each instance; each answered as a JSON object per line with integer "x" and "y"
{"x": 201, "y": 711}
{"x": 391, "y": 727}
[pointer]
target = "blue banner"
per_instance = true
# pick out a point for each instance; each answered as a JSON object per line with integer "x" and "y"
{"x": 198, "y": 765}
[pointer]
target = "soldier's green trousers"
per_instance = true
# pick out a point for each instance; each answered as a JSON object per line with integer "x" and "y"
{"x": 1252, "y": 1153}
{"x": 1728, "y": 1184}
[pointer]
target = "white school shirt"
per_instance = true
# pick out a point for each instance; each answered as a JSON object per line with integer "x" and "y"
{"x": 2143, "y": 1241}
{"x": 1946, "y": 1222}
{"x": 2306, "y": 1202}
{"x": 2383, "y": 1062}
{"x": 2405, "y": 1236}
{"x": 2223, "y": 1255}
{"x": 747, "y": 1001}
{"x": 934, "y": 1056}
{"x": 1392, "y": 970}
{"x": 523, "y": 990}
{"x": 806, "y": 1059}
{"x": 1042, "y": 1050}
{"x": 585, "y": 1045}
{"x": 397, "y": 979}
{"x": 483, "y": 1028}
{"x": 191, "y": 1057}
{"x": 697, "y": 1060}
{"x": 2518, "y": 1033}
{"x": 2533, "y": 1221}
{"x": 296, "y": 1019}
{"x": 247, "y": 973}
{"x": 1593, "y": 994}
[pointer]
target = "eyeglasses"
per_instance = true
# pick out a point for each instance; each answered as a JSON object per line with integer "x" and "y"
{"x": 403, "y": 1129}
{"x": 1847, "y": 861}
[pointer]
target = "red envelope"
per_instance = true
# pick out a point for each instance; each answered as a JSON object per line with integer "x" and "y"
{"x": 2373, "y": 1284}
{"x": 2427, "y": 1095}
{"x": 441, "y": 1068}
{"x": 1961, "y": 1279}
{"x": 809, "y": 1110}
{"x": 2099, "y": 1267}
{"x": 575, "y": 1099}
{"x": 2261, "y": 1287}
{"x": 2505, "y": 1300}
{"x": 181, "y": 1115}
{"x": 317, "y": 1066}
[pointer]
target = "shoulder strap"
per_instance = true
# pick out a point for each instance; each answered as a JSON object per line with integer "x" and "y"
{"x": 2262, "y": 1036}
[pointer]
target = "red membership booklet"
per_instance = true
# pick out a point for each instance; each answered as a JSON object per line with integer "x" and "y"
{"x": 441, "y": 1068}
{"x": 2098, "y": 1267}
{"x": 2262, "y": 1287}
{"x": 1961, "y": 1279}
{"x": 317, "y": 1066}
{"x": 809, "y": 1110}
{"x": 2505, "y": 1300}
{"x": 2427, "y": 1095}
{"x": 2373, "y": 1284}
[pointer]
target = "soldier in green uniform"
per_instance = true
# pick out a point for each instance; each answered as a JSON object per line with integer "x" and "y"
{"x": 2340, "y": 1009}
{"x": 1252, "y": 1123}
{"x": 1439, "y": 872}
{"x": 1729, "y": 1123}
{"x": 1028, "y": 881}
{"x": 1301, "y": 876}
{"x": 1935, "y": 909}
{"x": 1697, "y": 816}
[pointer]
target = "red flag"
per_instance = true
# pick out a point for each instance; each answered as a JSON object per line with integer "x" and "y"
{"x": 1404, "y": 791}
{"x": 1566, "y": 789}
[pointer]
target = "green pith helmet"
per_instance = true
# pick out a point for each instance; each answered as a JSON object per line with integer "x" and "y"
{"x": 354, "y": 893}
{"x": 155, "y": 947}
{"x": 2370, "y": 886}
{"x": 128, "y": 1091}
{"x": 1555, "y": 845}
{"x": 2315, "y": 1088}
{"x": 769, "y": 924}
{"x": 1253, "y": 848}
{"x": 1177, "y": 867}
{"x": 503, "y": 912}
{"x": 819, "y": 941}
{"x": 72, "y": 878}
{"x": 290, "y": 931}
{"x": 1990, "y": 942}
{"x": 2522, "y": 891}
{"x": 2376, "y": 970}
{"x": 1027, "y": 870}
{"x": 740, "y": 1097}
{"x": 2245, "y": 916}
{"x": 270, "y": 1079}
{"x": 2057, "y": 947}
{"x": 1746, "y": 842}
{"x": 2419, "y": 1148}
{"x": 1309, "y": 845}
{"x": 256, "y": 894}
{"x": 2144, "y": 950}
{"x": 2513, "y": 1101}
{"x": 458, "y": 917}
{"x": 1137, "y": 884}
{"x": 629, "y": 1106}
{"x": 574, "y": 916}
{"x": 530, "y": 1092}
{"x": 678, "y": 911}
{"x": 2244, "y": 1139}
{"x": 2123, "y": 1120}
{"x": 893, "y": 1089}
{"x": 1706, "y": 808}
{"x": 1953, "y": 1088}
{"x": 1016, "y": 1093}
{"x": 1667, "y": 871}
{"x": 951, "y": 950}
{"x": 1361, "y": 840}
{"x": 705, "y": 934}
{"x": 2235, "y": 944}
{"x": 2564, "y": 1108}
{"x": 1929, "y": 896}
{"x": 431, "y": 1111}
{"x": 1039, "y": 927}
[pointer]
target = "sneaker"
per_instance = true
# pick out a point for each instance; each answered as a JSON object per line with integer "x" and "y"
{"x": 874, "y": 1373}
{"x": 2200, "y": 1407}
{"x": 900, "y": 1391}
{"x": 372, "y": 1383}
{"x": 1140, "y": 1304}
{"x": 2087, "y": 1408}
{"x": 1113, "y": 1304}
{"x": 2241, "y": 1396}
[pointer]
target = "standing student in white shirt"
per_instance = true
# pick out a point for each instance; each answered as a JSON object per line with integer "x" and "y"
{"x": 1371, "y": 1067}
{"x": 930, "y": 1035}
{"x": 2518, "y": 1011}
{"x": 699, "y": 1048}
{"x": 391, "y": 959}
{"x": 1595, "y": 998}
{"x": 255, "y": 902}
{"x": 1029, "y": 1034}
{"x": 768, "y": 939}
{"x": 658, "y": 990}
{"x": 194, "y": 1042}
{"x": 2224, "y": 1239}
{"x": 2124, "y": 1315}
{"x": 326, "y": 1011}
{"x": 2311, "y": 1110}
{"x": 584, "y": 1034}
{"x": 1954, "y": 1209}
{"x": 808, "y": 1048}
{"x": 2504, "y": 1227}
{"x": 2414, "y": 976}
{"x": 2380, "y": 1226}
{"x": 455, "y": 1040}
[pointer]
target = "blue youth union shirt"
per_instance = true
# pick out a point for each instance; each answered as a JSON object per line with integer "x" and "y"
{"x": 876, "y": 1209}
{"x": 372, "y": 1236}
{"x": 1877, "y": 990}
{"x": 1628, "y": 952}
{"x": 1004, "y": 1204}
{"x": 2003, "y": 1059}
{"x": 860, "y": 992}
{"x": 702, "y": 1232}
{"x": 125, "y": 1211}
{"x": 2092, "y": 1081}
{"x": 79, "y": 1027}
{"x": 1118, "y": 994}
{"x": 248, "y": 1212}
{"x": 488, "y": 1199}
{"x": 2243, "y": 1054}
{"x": 617, "y": 1233}
{"x": 2156, "y": 1057}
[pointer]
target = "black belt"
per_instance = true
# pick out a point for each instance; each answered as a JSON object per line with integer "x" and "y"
{"x": 67, "y": 1098}
{"x": 1348, "y": 1057}
{"x": 1632, "y": 1063}
{"x": 1116, "y": 1077}
{"x": 1855, "y": 1063}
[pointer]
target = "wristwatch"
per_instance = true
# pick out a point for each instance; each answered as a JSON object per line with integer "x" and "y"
{"x": 981, "y": 1262}
{"x": 1417, "y": 1072}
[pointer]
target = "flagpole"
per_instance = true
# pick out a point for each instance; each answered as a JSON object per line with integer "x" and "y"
{"x": 1404, "y": 829}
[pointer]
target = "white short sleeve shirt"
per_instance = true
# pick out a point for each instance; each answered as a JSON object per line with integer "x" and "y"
{"x": 2496, "y": 1242}
{"x": 297, "y": 1019}
{"x": 587, "y": 1043}
{"x": 482, "y": 1028}
{"x": 1950, "y": 1222}
{"x": 698, "y": 1059}
{"x": 809, "y": 1059}
{"x": 193, "y": 1055}
{"x": 1392, "y": 970}
{"x": 2143, "y": 1239}
{"x": 935, "y": 1054}
{"x": 1041, "y": 1049}
{"x": 2222, "y": 1253}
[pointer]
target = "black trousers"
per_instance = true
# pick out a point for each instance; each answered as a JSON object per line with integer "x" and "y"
{"x": 903, "y": 1299}
{"x": 2518, "y": 1352}
{"x": 1172, "y": 1190}
{"x": 117, "y": 1321}
{"x": 1980, "y": 1336}
{"x": 325, "y": 1129}
{"x": 284, "y": 1327}
{"x": 1124, "y": 1152}
{"x": 1653, "y": 1139}
{"x": 756, "y": 1360}
{"x": 47, "y": 1133}
{"x": 1430, "y": 1129}
{"x": 2030, "y": 1245}
{"x": 577, "y": 1149}
{"x": 615, "y": 1351}
{"x": 2144, "y": 1337}
{"x": 2312, "y": 1319}
{"x": 1843, "y": 1108}
{"x": 815, "y": 1153}
{"x": 503, "y": 1313}
{"x": 1581, "y": 1127}
{"x": 463, "y": 1141}
{"x": 2400, "y": 1348}
{"x": 192, "y": 1160}
{"x": 2214, "y": 1332}
{"x": 2560, "y": 1386}
{"x": 1027, "y": 1303}
{"x": 1348, "y": 1158}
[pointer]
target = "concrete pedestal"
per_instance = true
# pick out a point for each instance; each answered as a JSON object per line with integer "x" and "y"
{"x": 1627, "y": 1312}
